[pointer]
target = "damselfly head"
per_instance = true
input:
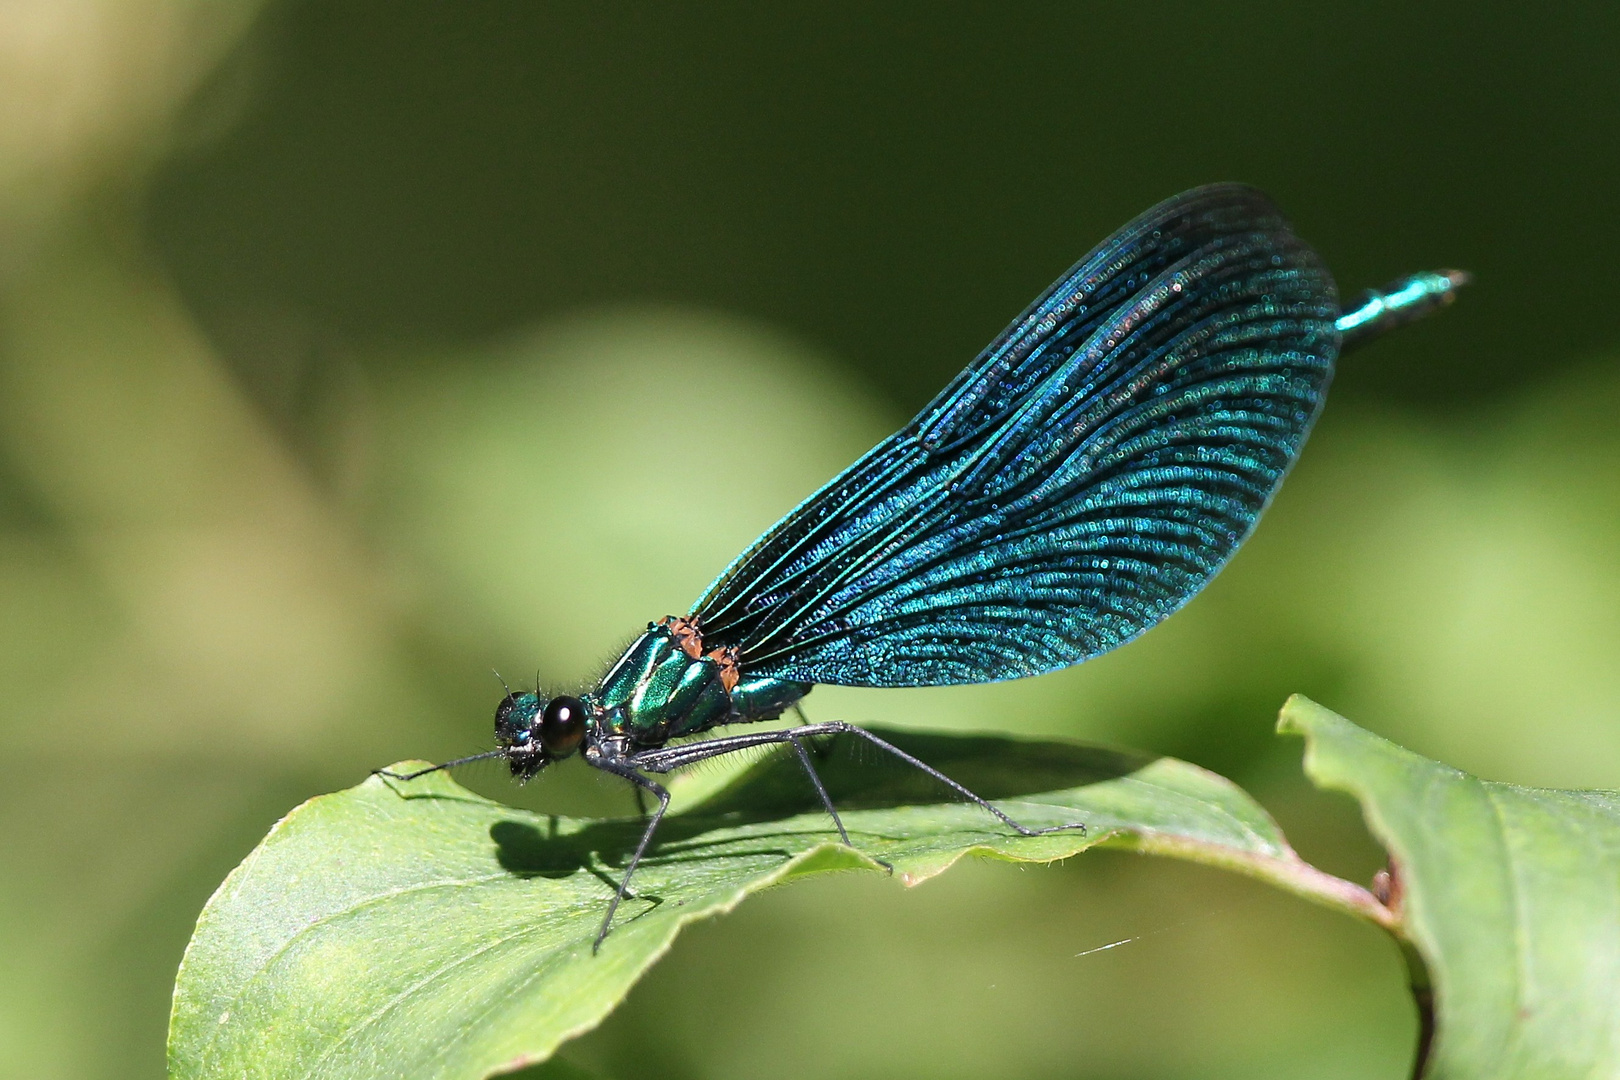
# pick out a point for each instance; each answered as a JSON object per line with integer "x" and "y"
{"x": 516, "y": 718}
{"x": 533, "y": 732}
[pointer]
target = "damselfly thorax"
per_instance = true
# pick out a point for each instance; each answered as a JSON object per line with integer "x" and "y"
{"x": 666, "y": 685}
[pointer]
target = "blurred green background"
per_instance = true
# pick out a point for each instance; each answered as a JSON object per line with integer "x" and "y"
{"x": 347, "y": 350}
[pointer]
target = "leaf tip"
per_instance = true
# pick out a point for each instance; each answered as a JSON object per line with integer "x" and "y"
{"x": 1299, "y": 716}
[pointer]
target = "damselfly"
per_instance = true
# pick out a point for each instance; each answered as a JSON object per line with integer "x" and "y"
{"x": 1089, "y": 472}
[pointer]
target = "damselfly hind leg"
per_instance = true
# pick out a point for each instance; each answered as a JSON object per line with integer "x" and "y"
{"x": 826, "y": 800}
{"x": 669, "y": 758}
{"x": 820, "y": 748}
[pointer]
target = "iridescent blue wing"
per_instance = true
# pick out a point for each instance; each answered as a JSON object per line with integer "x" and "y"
{"x": 1082, "y": 479}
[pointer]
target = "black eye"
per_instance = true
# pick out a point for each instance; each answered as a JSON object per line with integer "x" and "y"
{"x": 562, "y": 726}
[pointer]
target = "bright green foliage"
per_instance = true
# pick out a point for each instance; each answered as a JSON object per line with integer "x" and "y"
{"x": 419, "y": 930}
{"x": 1512, "y": 895}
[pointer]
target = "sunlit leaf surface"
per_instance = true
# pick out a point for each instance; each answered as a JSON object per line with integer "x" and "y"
{"x": 420, "y": 930}
{"x": 1512, "y": 895}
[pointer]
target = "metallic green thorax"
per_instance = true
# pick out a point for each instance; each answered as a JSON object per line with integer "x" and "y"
{"x": 659, "y": 691}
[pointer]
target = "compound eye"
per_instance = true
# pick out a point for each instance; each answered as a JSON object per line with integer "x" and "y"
{"x": 504, "y": 711}
{"x": 514, "y": 719}
{"x": 562, "y": 726}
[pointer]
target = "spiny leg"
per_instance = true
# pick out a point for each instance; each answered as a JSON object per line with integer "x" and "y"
{"x": 436, "y": 768}
{"x": 826, "y": 800}
{"x": 821, "y": 789}
{"x": 623, "y": 891}
{"x": 804, "y": 721}
{"x": 667, "y": 758}
{"x": 917, "y": 763}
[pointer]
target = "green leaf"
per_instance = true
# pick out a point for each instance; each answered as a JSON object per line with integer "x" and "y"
{"x": 416, "y": 929}
{"x": 1511, "y": 894}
